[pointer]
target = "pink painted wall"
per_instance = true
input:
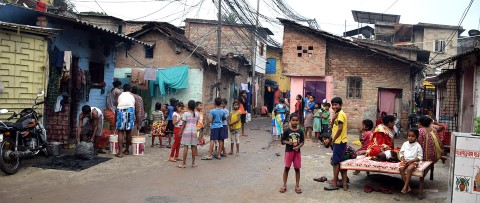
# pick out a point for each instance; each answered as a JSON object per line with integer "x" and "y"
{"x": 296, "y": 87}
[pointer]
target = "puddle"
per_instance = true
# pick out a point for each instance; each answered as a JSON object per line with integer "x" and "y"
{"x": 69, "y": 163}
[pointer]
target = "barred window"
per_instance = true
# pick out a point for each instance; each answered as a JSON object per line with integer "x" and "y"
{"x": 354, "y": 87}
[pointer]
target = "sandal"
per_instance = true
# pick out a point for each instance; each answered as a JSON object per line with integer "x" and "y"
{"x": 331, "y": 187}
{"x": 126, "y": 152}
{"x": 368, "y": 189}
{"x": 219, "y": 158}
{"x": 298, "y": 190}
{"x": 283, "y": 190}
{"x": 194, "y": 165}
{"x": 181, "y": 166}
{"x": 119, "y": 156}
{"x": 169, "y": 146}
{"x": 207, "y": 158}
{"x": 321, "y": 179}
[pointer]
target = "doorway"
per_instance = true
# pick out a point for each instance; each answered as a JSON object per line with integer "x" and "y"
{"x": 316, "y": 88}
{"x": 389, "y": 101}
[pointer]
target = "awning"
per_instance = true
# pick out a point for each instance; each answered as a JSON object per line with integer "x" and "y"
{"x": 441, "y": 79}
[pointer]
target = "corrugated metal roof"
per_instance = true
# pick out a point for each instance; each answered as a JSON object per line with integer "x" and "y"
{"x": 28, "y": 28}
{"x": 456, "y": 57}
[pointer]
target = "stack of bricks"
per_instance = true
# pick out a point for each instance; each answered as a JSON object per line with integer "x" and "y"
{"x": 57, "y": 124}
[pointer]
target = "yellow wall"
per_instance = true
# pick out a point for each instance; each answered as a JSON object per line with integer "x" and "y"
{"x": 283, "y": 81}
{"x": 22, "y": 70}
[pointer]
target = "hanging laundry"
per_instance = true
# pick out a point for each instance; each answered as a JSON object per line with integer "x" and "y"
{"x": 67, "y": 58}
{"x": 59, "y": 60}
{"x": 88, "y": 85}
{"x": 138, "y": 80}
{"x": 244, "y": 86}
{"x": 176, "y": 78}
{"x": 59, "y": 104}
{"x": 150, "y": 74}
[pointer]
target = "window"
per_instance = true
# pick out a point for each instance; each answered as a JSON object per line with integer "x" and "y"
{"x": 97, "y": 72}
{"x": 271, "y": 66}
{"x": 261, "y": 47}
{"x": 440, "y": 46}
{"x": 354, "y": 87}
{"x": 148, "y": 52}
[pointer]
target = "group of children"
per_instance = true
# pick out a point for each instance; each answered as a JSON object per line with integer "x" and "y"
{"x": 409, "y": 155}
{"x": 187, "y": 126}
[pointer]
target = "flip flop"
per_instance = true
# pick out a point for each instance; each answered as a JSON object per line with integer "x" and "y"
{"x": 368, "y": 189}
{"x": 298, "y": 191}
{"x": 194, "y": 165}
{"x": 321, "y": 179}
{"x": 181, "y": 166}
{"x": 219, "y": 158}
{"x": 126, "y": 152}
{"x": 283, "y": 190}
{"x": 206, "y": 158}
{"x": 119, "y": 156}
{"x": 331, "y": 187}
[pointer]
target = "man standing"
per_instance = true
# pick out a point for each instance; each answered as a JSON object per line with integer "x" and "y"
{"x": 92, "y": 129}
{"x": 125, "y": 119}
{"x": 111, "y": 99}
{"x": 139, "y": 111}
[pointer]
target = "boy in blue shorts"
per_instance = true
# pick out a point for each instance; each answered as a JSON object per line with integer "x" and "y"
{"x": 216, "y": 117}
{"x": 339, "y": 139}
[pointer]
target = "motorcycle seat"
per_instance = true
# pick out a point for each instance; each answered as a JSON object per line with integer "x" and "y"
{"x": 16, "y": 126}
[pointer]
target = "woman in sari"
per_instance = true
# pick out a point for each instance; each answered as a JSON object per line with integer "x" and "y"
{"x": 429, "y": 140}
{"x": 278, "y": 117}
{"x": 382, "y": 138}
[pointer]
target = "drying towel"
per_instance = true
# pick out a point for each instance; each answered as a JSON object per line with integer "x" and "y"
{"x": 150, "y": 74}
{"x": 244, "y": 87}
{"x": 67, "y": 58}
{"x": 59, "y": 104}
{"x": 176, "y": 78}
{"x": 138, "y": 79}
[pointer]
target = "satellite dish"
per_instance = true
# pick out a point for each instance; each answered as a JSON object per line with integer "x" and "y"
{"x": 472, "y": 33}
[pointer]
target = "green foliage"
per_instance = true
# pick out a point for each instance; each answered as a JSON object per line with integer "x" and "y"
{"x": 477, "y": 125}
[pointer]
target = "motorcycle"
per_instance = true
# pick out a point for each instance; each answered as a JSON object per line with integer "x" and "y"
{"x": 24, "y": 138}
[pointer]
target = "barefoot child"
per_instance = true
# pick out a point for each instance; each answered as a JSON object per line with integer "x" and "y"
{"x": 235, "y": 125}
{"x": 215, "y": 117}
{"x": 177, "y": 123}
{"x": 293, "y": 138}
{"x": 157, "y": 124}
{"x": 317, "y": 121}
{"x": 410, "y": 154}
{"x": 198, "y": 110}
{"x": 339, "y": 133}
{"x": 189, "y": 133}
{"x": 367, "y": 126}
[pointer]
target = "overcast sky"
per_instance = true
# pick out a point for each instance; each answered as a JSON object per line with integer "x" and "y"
{"x": 331, "y": 15}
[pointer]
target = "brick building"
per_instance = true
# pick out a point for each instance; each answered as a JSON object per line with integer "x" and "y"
{"x": 236, "y": 40}
{"x": 368, "y": 80}
{"x": 171, "y": 49}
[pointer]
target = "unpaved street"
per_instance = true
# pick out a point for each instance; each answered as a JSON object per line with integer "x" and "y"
{"x": 254, "y": 176}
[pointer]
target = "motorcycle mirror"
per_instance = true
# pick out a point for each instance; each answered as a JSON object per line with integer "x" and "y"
{"x": 3, "y": 111}
{"x": 40, "y": 94}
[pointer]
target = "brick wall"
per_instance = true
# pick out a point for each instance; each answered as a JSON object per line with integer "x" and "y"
{"x": 58, "y": 124}
{"x": 311, "y": 62}
{"x": 376, "y": 72}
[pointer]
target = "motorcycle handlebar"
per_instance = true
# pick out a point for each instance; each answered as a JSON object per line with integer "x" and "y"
{"x": 38, "y": 103}
{"x": 13, "y": 116}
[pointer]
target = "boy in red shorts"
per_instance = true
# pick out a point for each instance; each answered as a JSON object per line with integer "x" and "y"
{"x": 293, "y": 138}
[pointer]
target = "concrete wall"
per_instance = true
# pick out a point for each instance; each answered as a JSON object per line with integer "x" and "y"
{"x": 22, "y": 69}
{"x": 283, "y": 81}
{"x": 304, "y": 65}
{"x": 432, "y": 34}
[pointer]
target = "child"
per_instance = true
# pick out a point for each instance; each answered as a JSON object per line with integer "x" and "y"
{"x": 339, "y": 132}
{"x": 177, "y": 123}
{"x": 170, "y": 127}
{"x": 215, "y": 117}
{"x": 235, "y": 125}
{"x": 157, "y": 124}
{"x": 299, "y": 108}
{"x": 293, "y": 138}
{"x": 317, "y": 124}
{"x": 189, "y": 133}
{"x": 410, "y": 154}
{"x": 279, "y": 117}
{"x": 367, "y": 126}
{"x": 326, "y": 120}
{"x": 198, "y": 110}
{"x": 225, "y": 126}
{"x": 309, "y": 108}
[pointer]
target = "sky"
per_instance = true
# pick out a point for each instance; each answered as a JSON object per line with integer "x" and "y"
{"x": 332, "y": 15}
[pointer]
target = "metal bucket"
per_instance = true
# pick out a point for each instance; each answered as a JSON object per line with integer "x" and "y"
{"x": 55, "y": 146}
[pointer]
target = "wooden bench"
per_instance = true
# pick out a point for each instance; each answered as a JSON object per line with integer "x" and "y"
{"x": 362, "y": 163}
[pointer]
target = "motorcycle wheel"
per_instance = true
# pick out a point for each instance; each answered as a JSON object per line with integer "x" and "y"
{"x": 47, "y": 150}
{"x": 9, "y": 167}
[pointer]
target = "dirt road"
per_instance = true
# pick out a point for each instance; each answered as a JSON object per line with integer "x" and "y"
{"x": 254, "y": 176}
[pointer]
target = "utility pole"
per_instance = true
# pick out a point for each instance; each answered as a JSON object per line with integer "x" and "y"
{"x": 219, "y": 48}
{"x": 254, "y": 50}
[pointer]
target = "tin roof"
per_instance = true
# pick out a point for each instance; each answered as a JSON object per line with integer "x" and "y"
{"x": 26, "y": 28}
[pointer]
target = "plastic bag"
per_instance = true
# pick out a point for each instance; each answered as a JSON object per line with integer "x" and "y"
{"x": 248, "y": 117}
{"x": 84, "y": 150}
